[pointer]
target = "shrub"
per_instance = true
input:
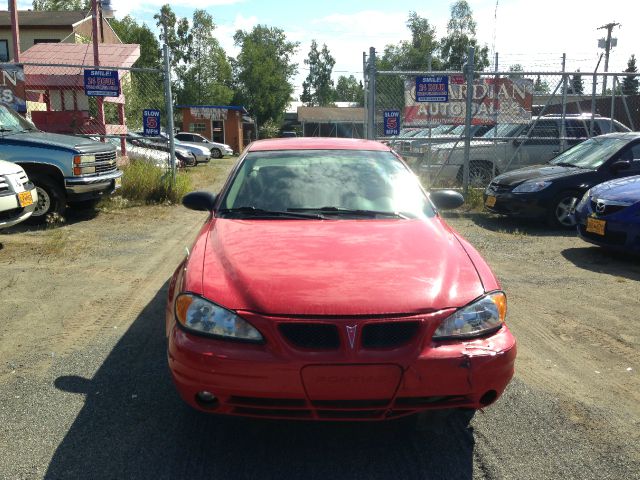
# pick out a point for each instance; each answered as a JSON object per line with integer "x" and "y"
{"x": 144, "y": 182}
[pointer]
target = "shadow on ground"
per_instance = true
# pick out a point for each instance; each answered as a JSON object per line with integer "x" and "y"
{"x": 72, "y": 216}
{"x": 601, "y": 260}
{"x": 133, "y": 425}
{"x": 499, "y": 223}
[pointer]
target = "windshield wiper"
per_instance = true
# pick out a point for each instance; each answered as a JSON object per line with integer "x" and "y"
{"x": 565, "y": 164}
{"x": 260, "y": 212}
{"x": 348, "y": 211}
{"x": 6, "y": 130}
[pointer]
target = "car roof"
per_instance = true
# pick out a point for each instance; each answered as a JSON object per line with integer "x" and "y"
{"x": 625, "y": 135}
{"x": 316, "y": 143}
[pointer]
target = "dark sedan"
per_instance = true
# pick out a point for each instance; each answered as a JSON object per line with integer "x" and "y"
{"x": 550, "y": 192}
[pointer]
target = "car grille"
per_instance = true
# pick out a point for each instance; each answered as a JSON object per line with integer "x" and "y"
{"x": 388, "y": 334}
{"x": 496, "y": 188}
{"x": 106, "y": 162}
{"x": 608, "y": 209}
{"x": 4, "y": 184}
{"x": 610, "y": 238}
{"x": 316, "y": 336}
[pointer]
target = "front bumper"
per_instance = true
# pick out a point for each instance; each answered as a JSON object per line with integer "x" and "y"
{"x": 518, "y": 205}
{"x": 622, "y": 235}
{"x": 277, "y": 380}
{"x": 11, "y": 213}
{"x": 85, "y": 188}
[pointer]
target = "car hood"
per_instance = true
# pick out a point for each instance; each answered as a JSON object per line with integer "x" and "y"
{"x": 55, "y": 140}
{"x": 625, "y": 190}
{"x": 536, "y": 172}
{"x": 341, "y": 267}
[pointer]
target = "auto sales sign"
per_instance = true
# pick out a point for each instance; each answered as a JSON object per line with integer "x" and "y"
{"x": 495, "y": 100}
{"x": 12, "y": 87}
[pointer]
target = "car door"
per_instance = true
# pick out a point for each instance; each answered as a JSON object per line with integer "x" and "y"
{"x": 631, "y": 154}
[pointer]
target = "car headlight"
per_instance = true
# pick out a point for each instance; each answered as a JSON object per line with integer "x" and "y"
{"x": 204, "y": 317}
{"x": 483, "y": 316}
{"x": 531, "y": 186}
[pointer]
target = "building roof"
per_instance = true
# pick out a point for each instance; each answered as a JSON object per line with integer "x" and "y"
{"x": 30, "y": 19}
{"x": 118, "y": 55}
{"x": 225, "y": 107}
{"x": 331, "y": 114}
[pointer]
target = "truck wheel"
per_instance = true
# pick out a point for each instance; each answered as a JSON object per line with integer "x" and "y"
{"x": 215, "y": 153}
{"x": 561, "y": 213}
{"x": 51, "y": 198}
{"x": 480, "y": 174}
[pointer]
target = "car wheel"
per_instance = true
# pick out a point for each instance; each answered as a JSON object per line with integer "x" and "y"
{"x": 51, "y": 199}
{"x": 192, "y": 162}
{"x": 562, "y": 208}
{"x": 480, "y": 174}
{"x": 215, "y": 153}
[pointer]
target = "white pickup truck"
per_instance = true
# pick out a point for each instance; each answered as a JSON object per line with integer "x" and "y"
{"x": 18, "y": 195}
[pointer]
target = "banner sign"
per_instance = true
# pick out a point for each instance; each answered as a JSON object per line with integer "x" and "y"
{"x": 495, "y": 100}
{"x": 391, "y": 122}
{"x": 209, "y": 113}
{"x": 432, "y": 89}
{"x": 151, "y": 122}
{"x": 12, "y": 87}
{"x": 101, "y": 83}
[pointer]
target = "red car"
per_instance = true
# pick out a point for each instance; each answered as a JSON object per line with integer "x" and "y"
{"x": 325, "y": 285}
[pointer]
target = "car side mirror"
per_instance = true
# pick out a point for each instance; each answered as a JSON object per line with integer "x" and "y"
{"x": 446, "y": 199}
{"x": 201, "y": 201}
{"x": 620, "y": 165}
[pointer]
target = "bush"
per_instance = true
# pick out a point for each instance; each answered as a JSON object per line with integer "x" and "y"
{"x": 147, "y": 183}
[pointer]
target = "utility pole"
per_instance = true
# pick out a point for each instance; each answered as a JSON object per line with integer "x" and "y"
{"x": 607, "y": 49}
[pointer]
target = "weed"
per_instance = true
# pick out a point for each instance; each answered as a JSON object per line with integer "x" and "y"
{"x": 143, "y": 182}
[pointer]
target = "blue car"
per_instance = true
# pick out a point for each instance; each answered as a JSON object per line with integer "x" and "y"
{"x": 609, "y": 214}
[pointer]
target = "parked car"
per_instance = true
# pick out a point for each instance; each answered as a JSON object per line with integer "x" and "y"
{"x": 325, "y": 285}
{"x": 609, "y": 214}
{"x": 184, "y": 157}
{"x": 218, "y": 150}
{"x": 65, "y": 169}
{"x": 155, "y": 157}
{"x": 18, "y": 195}
{"x": 515, "y": 146}
{"x": 200, "y": 152}
{"x": 552, "y": 191}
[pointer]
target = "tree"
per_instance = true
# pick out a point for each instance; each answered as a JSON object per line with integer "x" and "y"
{"x": 317, "y": 89}
{"x": 57, "y": 5}
{"x": 461, "y": 33}
{"x": 540, "y": 87}
{"x": 516, "y": 69}
{"x": 263, "y": 71}
{"x": 178, "y": 38}
{"x": 129, "y": 31}
{"x": 414, "y": 54}
{"x": 630, "y": 82}
{"x": 577, "y": 84}
{"x": 207, "y": 77}
{"x": 348, "y": 89}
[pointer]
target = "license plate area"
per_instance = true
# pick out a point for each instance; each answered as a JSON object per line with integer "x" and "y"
{"x": 25, "y": 199}
{"x": 118, "y": 182}
{"x": 490, "y": 201}
{"x": 595, "y": 225}
{"x": 351, "y": 382}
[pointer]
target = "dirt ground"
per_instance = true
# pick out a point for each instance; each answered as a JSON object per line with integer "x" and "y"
{"x": 67, "y": 294}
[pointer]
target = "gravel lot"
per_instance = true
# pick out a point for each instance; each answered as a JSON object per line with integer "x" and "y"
{"x": 85, "y": 390}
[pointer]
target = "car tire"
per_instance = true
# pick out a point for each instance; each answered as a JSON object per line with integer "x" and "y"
{"x": 560, "y": 213}
{"x": 215, "y": 153}
{"x": 480, "y": 174}
{"x": 52, "y": 199}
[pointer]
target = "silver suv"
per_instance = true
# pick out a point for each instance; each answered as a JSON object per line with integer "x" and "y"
{"x": 510, "y": 146}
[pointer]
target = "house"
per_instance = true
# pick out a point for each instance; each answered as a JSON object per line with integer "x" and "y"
{"x": 50, "y": 27}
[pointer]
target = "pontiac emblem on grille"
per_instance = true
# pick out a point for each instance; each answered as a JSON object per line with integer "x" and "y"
{"x": 600, "y": 206}
{"x": 351, "y": 333}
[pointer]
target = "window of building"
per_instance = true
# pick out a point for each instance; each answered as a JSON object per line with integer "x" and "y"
{"x": 197, "y": 127}
{"x": 45, "y": 40}
{"x": 4, "y": 51}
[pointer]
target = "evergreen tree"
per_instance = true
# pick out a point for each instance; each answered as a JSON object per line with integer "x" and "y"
{"x": 317, "y": 90}
{"x": 348, "y": 89}
{"x": 630, "y": 82}
{"x": 540, "y": 87}
{"x": 461, "y": 34}
{"x": 576, "y": 84}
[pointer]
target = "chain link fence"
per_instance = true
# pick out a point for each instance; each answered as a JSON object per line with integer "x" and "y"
{"x": 466, "y": 127}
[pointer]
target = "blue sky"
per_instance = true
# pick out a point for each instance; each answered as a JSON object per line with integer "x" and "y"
{"x": 531, "y": 33}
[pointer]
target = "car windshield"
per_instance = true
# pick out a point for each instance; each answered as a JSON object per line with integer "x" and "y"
{"x": 503, "y": 130}
{"x": 591, "y": 153}
{"x": 330, "y": 183}
{"x": 10, "y": 121}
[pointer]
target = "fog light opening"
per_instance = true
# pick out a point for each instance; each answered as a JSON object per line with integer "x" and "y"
{"x": 206, "y": 399}
{"x": 488, "y": 398}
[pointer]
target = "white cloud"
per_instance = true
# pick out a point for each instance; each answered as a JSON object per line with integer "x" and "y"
{"x": 224, "y": 32}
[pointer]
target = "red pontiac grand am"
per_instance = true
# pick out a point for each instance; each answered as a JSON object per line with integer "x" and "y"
{"x": 325, "y": 285}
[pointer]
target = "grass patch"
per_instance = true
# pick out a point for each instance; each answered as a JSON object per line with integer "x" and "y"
{"x": 474, "y": 200}
{"x": 146, "y": 183}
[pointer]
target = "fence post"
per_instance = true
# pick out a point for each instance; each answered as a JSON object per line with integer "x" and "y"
{"x": 468, "y": 69}
{"x": 613, "y": 103}
{"x": 563, "y": 129}
{"x": 593, "y": 96}
{"x": 371, "y": 94}
{"x": 169, "y": 103}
